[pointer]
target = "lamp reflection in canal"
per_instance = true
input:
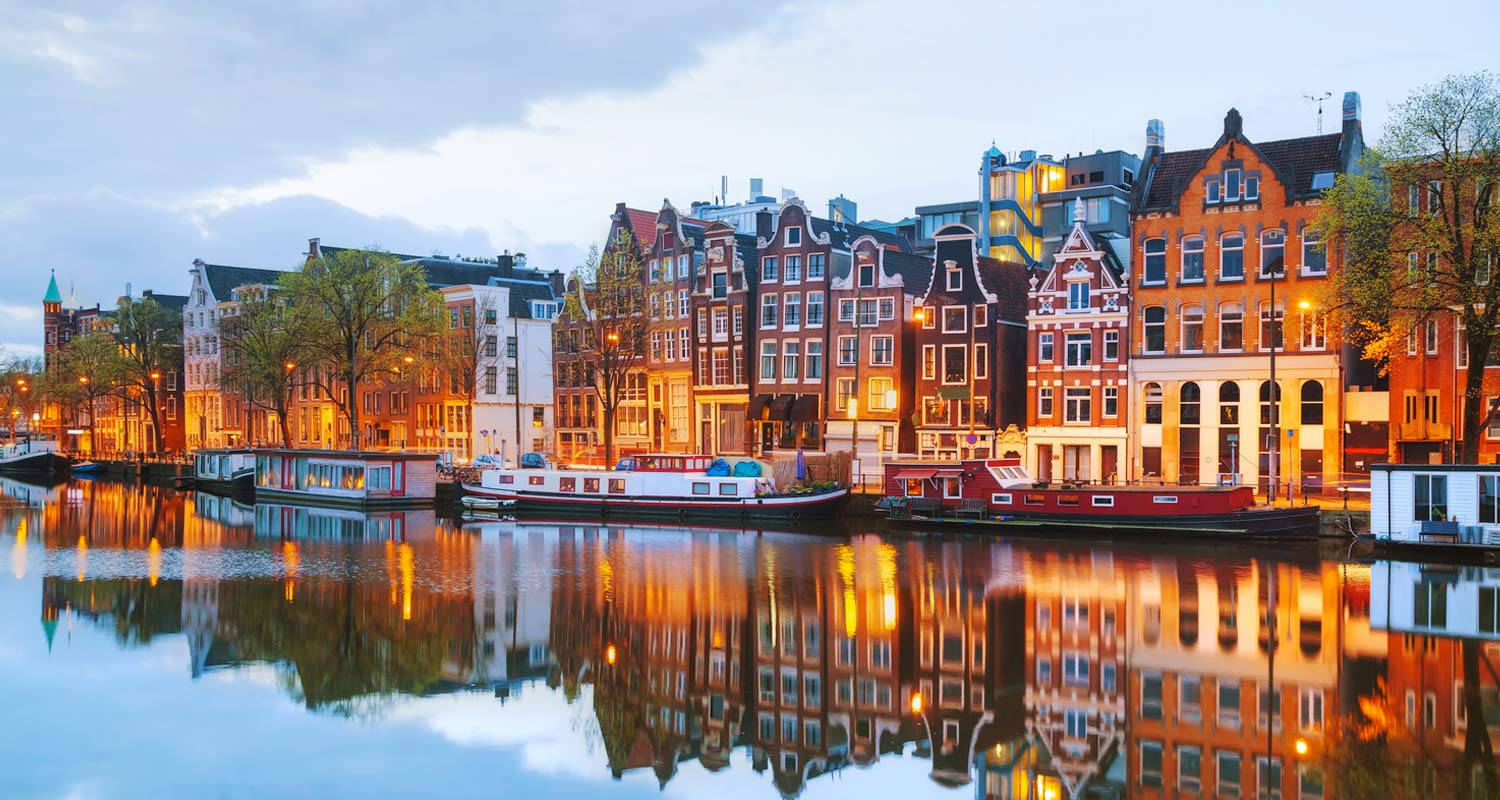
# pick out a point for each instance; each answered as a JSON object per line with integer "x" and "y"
{"x": 83, "y": 558}
{"x": 18, "y": 551}
{"x": 289, "y": 564}
{"x": 610, "y": 655}
{"x": 153, "y": 561}
{"x": 406, "y": 576}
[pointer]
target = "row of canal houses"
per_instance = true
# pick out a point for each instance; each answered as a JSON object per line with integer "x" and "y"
{"x": 1102, "y": 320}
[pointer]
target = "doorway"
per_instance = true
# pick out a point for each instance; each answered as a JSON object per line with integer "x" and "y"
{"x": 1076, "y": 462}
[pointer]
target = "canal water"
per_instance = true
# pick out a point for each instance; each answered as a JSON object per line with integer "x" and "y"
{"x": 161, "y": 643}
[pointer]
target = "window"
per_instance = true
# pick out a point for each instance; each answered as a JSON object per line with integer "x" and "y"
{"x": 1431, "y": 496}
{"x": 1190, "y": 403}
{"x": 1111, "y": 345}
{"x": 1231, "y": 327}
{"x": 1192, "y": 259}
{"x": 682, "y": 303}
{"x": 770, "y": 269}
{"x": 1080, "y": 348}
{"x": 844, "y": 392}
{"x": 928, "y": 320}
{"x": 1252, "y": 187}
{"x": 881, "y": 390}
{"x": 1156, "y": 262}
{"x": 1489, "y": 597}
{"x": 1213, "y": 192}
{"x": 1229, "y": 704}
{"x": 769, "y": 307}
{"x": 720, "y": 328}
{"x": 682, "y": 267}
{"x": 1076, "y": 404}
{"x": 791, "y": 360}
{"x": 1268, "y": 778}
{"x": 955, "y": 279}
{"x": 1189, "y": 769}
{"x": 1192, "y": 329}
{"x": 1231, "y": 257}
{"x": 814, "y": 309}
{"x": 1231, "y": 184}
{"x": 1111, "y": 402}
{"x": 793, "y": 272}
{"x": 1044, "y": 402}
{"x": 1312, "y": 403}
{"x": 793, "y": 236}
{"x": 1314, "y": 259}
{"x": 887, "y": 309}
{"x": 792, "y": 317}
{"x": 1489, "y": 499}
{"x": 1310, "y": 709}
{"x": 1271, "y": 326}
{"x": 1431, "y": 336}
{"x": 1154, "y": 323}
{"x": 1044, "y": 347}
{"x": 1227, "y": 771}
{"x": 846, "y": 311}
{"x": 1434, "y": 196}
{"x": 816, "y": 265}
{"x": 768, "y": 361}
{"x": 512, "y": 381}
{"x": 955, "y": 319}
{"x": 1151, "y": 763}
{"x": 848, "y": 350}
{"x": 1265, "y": 403}
{"x": 955, "y": 364}
{"x": 1075, "y": 721}
{"x": 720, "y": 286}
{"x": 1272, "y": 252}
{"x": 882, "y": 350}
{"x": 814, "y": 360}
{"x": 1314, "y": 330}
{"x": 1153, "y": 403}
{"x": 1044, "y": 671}
{"x": 981, "y": 316}
{"x": 1078, "y": 296}
{"x": 491, "y": 379}
{"x": 867, "y": 275}
{"x": 929, "y": 361}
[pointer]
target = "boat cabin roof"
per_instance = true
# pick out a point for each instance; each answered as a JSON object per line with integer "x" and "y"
{"x": 671, "y": 462}
{"x": 349, "y": 455}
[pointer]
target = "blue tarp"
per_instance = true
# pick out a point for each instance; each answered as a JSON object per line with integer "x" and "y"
{"x": 747, "y": 469}
{"x": 718, "y": 469}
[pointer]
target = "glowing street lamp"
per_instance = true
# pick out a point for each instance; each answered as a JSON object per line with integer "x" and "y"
{"x": 916, "y": 702}
{"x": 610, "y": 655}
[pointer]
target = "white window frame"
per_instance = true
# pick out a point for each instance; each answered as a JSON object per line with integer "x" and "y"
{"x": 890, "y": 350}
{"x": 965, "y": 310}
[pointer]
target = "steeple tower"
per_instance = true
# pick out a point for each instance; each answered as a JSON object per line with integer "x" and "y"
{"x": 52, "y": 300}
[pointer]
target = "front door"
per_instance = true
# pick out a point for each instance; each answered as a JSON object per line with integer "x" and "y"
{"x": 1044, "y": 462}
{"x": 1075, "y": 462}
{"x": 1109, "y": 463}
{"x": 767, "y": 437}
{"x": 705, "y": 438}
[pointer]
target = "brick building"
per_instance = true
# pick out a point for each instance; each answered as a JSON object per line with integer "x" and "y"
{"x": 1078, "y": 359}
{"x": 1216, "y": 230}
{"x": 721, "y": 304}
{"x": 674, "y": 253}
{"x": 216, "y": 417}
{"x": 971, "y": 348}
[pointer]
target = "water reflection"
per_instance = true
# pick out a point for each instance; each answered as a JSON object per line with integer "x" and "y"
{"x": 1042, "y": 671}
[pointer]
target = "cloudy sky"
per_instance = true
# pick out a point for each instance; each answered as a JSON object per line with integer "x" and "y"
{"x": 139, "y": 136}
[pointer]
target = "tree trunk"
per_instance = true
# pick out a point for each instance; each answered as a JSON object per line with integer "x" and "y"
{"x": 609, "y": 437}
{"x": 1475, "y": 415}
{"x": 283, "y": 422}
{"x": 351, "y": 406}
{"x": 157, "y": 437}
{"x": 1478, "y": 750}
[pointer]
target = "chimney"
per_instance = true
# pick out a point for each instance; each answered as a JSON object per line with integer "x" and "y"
{"x": 520, "y": 261}
{"x": 1156, "y": 137}
{"x": 198, "y": 264}
{"x": 559, "y": 287}
{"x": 619, "y": 211}
{"x": 505, "y": 265}
{"x": 765, "y": 224}
{"x": 1234, "y": 124}
{"x": 312, "y": 248}
{"x": 1352, "y": 143}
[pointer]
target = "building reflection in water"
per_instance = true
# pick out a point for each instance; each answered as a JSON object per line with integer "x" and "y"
{"x": 1022, "y": 671}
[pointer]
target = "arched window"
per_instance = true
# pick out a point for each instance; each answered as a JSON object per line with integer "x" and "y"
{"x": 1272, "y": 252}
{"x": 1265, "y": 402}
{"x": 1156, "y": 262}
{"x": 1192, "y": 329}
{"x": 1192, "y": 259}
{"x": 1312, "y": 403}
{"x": 1232, "y": 257}
{"x": 1154, "y": 323}
{"x": 1191, "y": 397}
{"x": 1229, "y": 403}
{"x": 1153, "y": 403}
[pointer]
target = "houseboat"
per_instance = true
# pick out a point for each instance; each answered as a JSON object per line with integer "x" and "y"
{"x": 1451, "y": 510}
{"x": 346, "y": 478}
{"x": 222, "y": 471}
{"x": 668, "y": 486}
{"x": 287, "y": 521}
{"x": 33, "y": 455}
{"x": 999, "y": 494}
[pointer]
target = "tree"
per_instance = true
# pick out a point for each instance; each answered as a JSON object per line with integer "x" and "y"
{"x": 20, "y": 389}
{"x": 260, "y": 356}
{"x": 357, "y": 313}
{"x": 149, "y": 336}
{"x": 1419, "y": 233}
{"x": 606, "y": 301}
{"x": 87, "y": 369}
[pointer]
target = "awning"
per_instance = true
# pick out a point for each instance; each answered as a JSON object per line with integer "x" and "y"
{"x": 781, "y": 407}
{"x": 915, "y": 474}
{"x": 758, "y": 405}
{"x": 953, "y": 392}
{"x": 949, "y": 473}
{"x": 806, "y": 408}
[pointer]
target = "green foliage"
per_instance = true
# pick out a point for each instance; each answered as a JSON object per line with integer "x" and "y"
{"x": 149, "y": 339}
{"x": 606, "y": 301}
{"x": 261, "y": 353}
{"x": 356, "y": 314}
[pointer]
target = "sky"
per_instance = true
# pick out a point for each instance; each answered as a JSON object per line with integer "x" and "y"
{"x": 140, "y": 136}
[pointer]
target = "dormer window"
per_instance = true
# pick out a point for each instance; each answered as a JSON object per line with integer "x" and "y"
{"x": 543, "y": 309}
{"x": 866, "y": 275}
{"x": 1231, "y": 185}
{"x": 1213, "y": 192}
{"x": 955, "y": 279}
{"x": 793, "y": 236}
{"x": 1252, "y": 187}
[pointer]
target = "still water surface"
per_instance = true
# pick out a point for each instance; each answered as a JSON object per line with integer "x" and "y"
{"x": 157, "y": 643}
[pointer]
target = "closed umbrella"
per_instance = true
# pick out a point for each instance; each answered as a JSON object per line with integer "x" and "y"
{"x": 801, "y": 466}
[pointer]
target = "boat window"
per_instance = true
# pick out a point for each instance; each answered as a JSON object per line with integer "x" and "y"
{"x": 617, "y": 486}
{"x": 537, "y": 480}
{"x": 914, "y": 487}
{"x": 1067, "y": 499}
{"x": 1104, "y": 501}
{"x": 700, "y": 487}
{"x": 1034, "y": 499}
{"x": 1000, "y": 498}
{"x": 567, "y": 484}
{"x": 507, "y": 479}
{"x": 591, "y": 485}
{"x": 952, "y": 487}
{"x": 379, "y": 478}
{"x": 1164, "y": 498}
{"x": 728, "y": 490}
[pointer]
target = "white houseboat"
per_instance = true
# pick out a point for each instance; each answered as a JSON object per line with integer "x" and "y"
{"x": 1436, "y": 508}
{"x": 1461, "y": 602}
{"x": 33, "y": 455}
{"x": 346, "y": 478}
{"x": 284, "y": 521}
{"x": 671, "y": 486}
{"x": 223, "y": 470}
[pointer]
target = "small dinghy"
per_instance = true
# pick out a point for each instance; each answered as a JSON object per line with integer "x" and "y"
{"x": 486, "y": 503}
{"x": 86, "y": 466}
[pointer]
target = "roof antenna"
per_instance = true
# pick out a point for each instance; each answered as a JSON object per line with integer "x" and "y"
{"x": 1318, "y": 99}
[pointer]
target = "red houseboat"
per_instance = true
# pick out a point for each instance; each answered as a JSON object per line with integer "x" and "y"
{"x": 1001, "y": 494}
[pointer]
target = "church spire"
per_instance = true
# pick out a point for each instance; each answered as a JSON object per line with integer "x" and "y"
{"x": 53, "y": 295}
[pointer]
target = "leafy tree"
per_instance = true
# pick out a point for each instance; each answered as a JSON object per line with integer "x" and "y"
{"x": 87, "y": 370}
{"x": 261, "y": 353}
{"x": 1419, "y": 232}
{"x": 606, "y": 301}
{"x": 149, "y": 336}
{"x": 357, "y": 313}
{"x": 21, "y": 387}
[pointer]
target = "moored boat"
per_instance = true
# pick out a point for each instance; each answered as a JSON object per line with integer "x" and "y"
{"x": 33, "y": 455}
{"x": 347, "y": 478}
{"x": 1448, "y": 512}
{"x": 482, "y": 503}
{"x": 1000, "y": 495}
{"x": 85, "y": 467}
{"x": 664, "y": 486}
{"x": 227, "y": 470}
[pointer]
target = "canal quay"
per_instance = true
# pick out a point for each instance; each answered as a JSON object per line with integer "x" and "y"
{"x": 158, "y": 642}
